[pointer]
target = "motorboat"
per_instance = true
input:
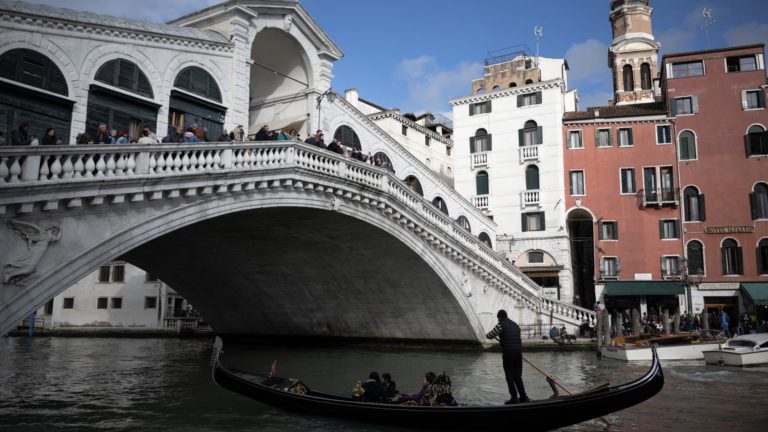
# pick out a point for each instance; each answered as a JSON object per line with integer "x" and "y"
{"x": 744, "y": 350}
{"x": 293, "y": 395}
{"x": 685, "y": 346}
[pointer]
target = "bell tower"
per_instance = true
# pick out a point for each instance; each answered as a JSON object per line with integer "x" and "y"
{"x": 633, "y": 55}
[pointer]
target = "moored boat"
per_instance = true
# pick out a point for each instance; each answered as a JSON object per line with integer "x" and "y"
{"x": 676, "y": 347}
{"x": 293, "y": 395}
{"x": 744, "y": 350}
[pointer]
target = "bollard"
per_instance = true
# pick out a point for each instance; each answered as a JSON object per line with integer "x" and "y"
{"x": 636, "y": 329}
{"x": 676, "y": 322}
{"x": 665, "y": 321}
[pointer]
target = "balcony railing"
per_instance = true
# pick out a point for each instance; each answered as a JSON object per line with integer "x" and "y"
{"x": 480, "y": 159}
{"x": 658, "y": 197}
{"x": 529, "y": 153}
{"x": 480, "y": 201}
{"x": 530, "y": 198}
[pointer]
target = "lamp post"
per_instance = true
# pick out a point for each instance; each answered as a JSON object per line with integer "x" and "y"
{"x": 331, "y": 98}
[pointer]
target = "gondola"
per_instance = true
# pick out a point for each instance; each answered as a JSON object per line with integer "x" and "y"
{"x": 291, "y": 394}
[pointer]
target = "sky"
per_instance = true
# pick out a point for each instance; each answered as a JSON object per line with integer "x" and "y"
{"x": 415, "y": 55}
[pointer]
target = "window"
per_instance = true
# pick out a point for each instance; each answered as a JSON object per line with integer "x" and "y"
{"x": 101, "y": 303}
{"x": 695, "y": 258}
{"x": 33, "y": 69}
{"x": 104, "y": 272}
{"x": 628, "y": 185}
{"x": 150, "y": 302}
{"x": 532, "y": 177}
{"x": 730, "y": 253}
{"x": 512, "y": 84}
{"x": 535, "y": 257}
{"x": 609, "y": 267}
{"x": 440, "y": 203}
{"x": 113, "y": 272}
{"x": 125, "y": 75}
{"x": 669, "y": 229}
{"x": 48, "y": 307}
{"x": 670, "y": 266}
{"x": 762, "y": 256}
{"x": 529, "y": 99}
{"x": 686, "y": 145}
{"x": 659, "y": 184}
{"x": 645, "y": 76}
{"x": 118, "y": 273}
{"x": 485, "y": 239}
{"x": 663, "y": 134}
{"x": 480, "y": 108}
{"x": 414, "y": 184}
{"x": 116, "y": 303}
{"x": 629, "y": 79}
{"x": 687, "y": 69}
{"x": 528, "y": 81}
{"x": 603, "y": 138}
{"x": 448, "y": 152}
{"x": 530, "y": 134}
{"x": 575, "y": 140}
{"x": 741, "y": 64}
{"x": 68, "y": 303}
{"x": 577, "y": 182}
{"x": 404, "y": 130}
{"x": 759, "y": 201}
{"x": 694, "y": 205}
{"x": 625, "y": 137}
{"x": 198, "y": 81}
{"x": 608, "y": 230}
{"x": 426, "y": 140}
{"x": 386, "y": 163}
{"x": 481, "y": 182}
{"x": 347, "y": 136}
{"x": 533, "y": 221}
{"x": 757, "y": 141}
{"x": 685, "y": 105}
{"x": 752, "y": 99}
{"x": 481, "y": 142}
{"x": 464, "y": 223}
{"x": 496, "y": 88}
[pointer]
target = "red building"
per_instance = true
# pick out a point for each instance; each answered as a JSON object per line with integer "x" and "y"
{"x": 718, "y": 100}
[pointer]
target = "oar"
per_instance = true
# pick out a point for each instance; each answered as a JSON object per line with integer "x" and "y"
{"x": 551, "y": 380}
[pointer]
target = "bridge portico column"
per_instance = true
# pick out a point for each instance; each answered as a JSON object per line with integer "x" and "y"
{"x": 240, "y": 90}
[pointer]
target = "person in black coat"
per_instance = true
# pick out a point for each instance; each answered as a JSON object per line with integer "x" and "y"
{"x": 20, "y": 136}
{"x": 390, "y": 388}
{"x": 335, "y": 147}
{"x": 373, "y": 389}
{"x": 508, "y": 334}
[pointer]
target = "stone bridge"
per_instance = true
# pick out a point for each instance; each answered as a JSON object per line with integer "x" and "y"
{"x": 269, "y": 238}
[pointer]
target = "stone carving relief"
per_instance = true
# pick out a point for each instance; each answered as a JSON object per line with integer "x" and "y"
{"x": 466, "y": 284}
{"x": 287, "y": 23}
{"x": 38, "y": 239}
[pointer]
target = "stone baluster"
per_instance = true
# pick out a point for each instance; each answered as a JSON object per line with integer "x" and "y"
{"x": 208, "y": 159}
{"x": 68, "y": 168}
{"x": 239, "y": 159}
{"x": 160, "y": 163}
{"x": 101, "y": 165}
{"x": 169, "y": 162}
{"x": 120, "y": 165}
{"x": 56, "y": 168}
{"x": 177, "y": 162}
{"x": 15, "y": 171}
{"x": 90, "y": 166}
{"x": 185, "y": 162}
{"x": 194, "y": 161}
{"x": 112, "y": 163}
{"x": 45, "y": 171}
{"x": 217, "y": 159}
{"x": 4, "y": 170}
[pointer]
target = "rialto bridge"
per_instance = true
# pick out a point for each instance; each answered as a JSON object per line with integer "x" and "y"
{"x": 272, "y": 238}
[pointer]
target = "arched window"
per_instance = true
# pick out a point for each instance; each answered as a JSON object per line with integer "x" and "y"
{"x": 730, "y": 252}
{"x": 195, "y": 80}
{"x": 126, "y": 75}
{"x": 759, "y": 201}
{"x": 757, "y": 141}
{"x": 530, "y": 134}
{"x": 33, "y": 69}
{"x": 529, "y": 81}
{"x": 629, "y": 78}
{"x": 532, "y": 177}
{"x": 645, "y": 76}
{"x": 346, "y": 136}
{"x": 695, "y": 254}
{"x": 694, "y": 205}
{"x": 481, "y": 142}
{"x": 486, "y": 239}
{"x": 762, "y": 257}
{"x": 481, "y": 181}
{"x": 496, "y": 88}
{"x": 686, "y": 145}
{"x": 440, "y": 203}
{"x": 480, "y": 90}
{"x": 464, "y": 222}
{"x": 414, "y": 184}
{"x": 384, "y": 161}
{"x": 512, "y": 84}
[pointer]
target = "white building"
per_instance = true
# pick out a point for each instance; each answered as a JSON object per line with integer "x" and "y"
{"x": 509, "y": 162}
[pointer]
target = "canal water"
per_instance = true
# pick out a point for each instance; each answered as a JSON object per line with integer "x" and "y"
{"x": 103, "y": 384}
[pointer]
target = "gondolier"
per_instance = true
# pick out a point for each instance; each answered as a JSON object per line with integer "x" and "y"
{"x": 508, "y": 334}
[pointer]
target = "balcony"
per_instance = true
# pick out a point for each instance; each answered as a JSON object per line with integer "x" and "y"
{"x": 478, "y": 160}
{"x": 529, "y": 153}
{"x": 480, "y": 201}
{"x": 530, "y": 198}
{"x": 658, "y": 197}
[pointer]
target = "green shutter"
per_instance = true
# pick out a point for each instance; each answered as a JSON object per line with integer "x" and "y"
{"x": 629, "y": 136}
{"x": 488, "y": 107}
{"x": 597, "y": 137}
{"x": 520, "y": 137}
{"x": 610, "y": 137}
{"x": 702, "y": 208}
{"x": 761, "y": 99}
{"x": 543, "y": 222}
{"x": 661, "y": 229}
{"x": 674, "y": 107}
{"x": 524, "y": 221}
{"x": 739, "y": 261}
{"x": 488, "y": 142}
{"x": 519, "y": 100}
{"x": 539, "y": 135}
{"x": 677, "y": 228}
{"x": 753, "y": 204}
{"x": 581, "y": 139}
{"x": 471, "y": 144}
{"x": 600, "y": 235}
{"x": 616, "y": 230}
{"x": 695, "y": 103}
{"x": 538, "y": 97}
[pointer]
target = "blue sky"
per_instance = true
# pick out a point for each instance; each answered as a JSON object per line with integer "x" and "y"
{"x": 416, "y": 55}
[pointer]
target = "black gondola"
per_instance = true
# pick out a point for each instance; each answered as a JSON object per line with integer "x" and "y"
{"x": 291, "y": 394}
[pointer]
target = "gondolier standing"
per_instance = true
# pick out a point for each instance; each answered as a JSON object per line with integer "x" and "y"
{"x": 508, "y": 334}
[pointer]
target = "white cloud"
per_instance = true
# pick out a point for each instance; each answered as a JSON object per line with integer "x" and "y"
{"x": 430, "y": 87}
{"x": 747, "y": 34}
{"x": 146, "y": 10}
{"x": 676, "y": 40}
{"x": 588, "y": 59}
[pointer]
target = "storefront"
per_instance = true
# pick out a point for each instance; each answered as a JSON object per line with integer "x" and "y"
{"x": 755, "y": 296}
{"x": 648, "y": 297}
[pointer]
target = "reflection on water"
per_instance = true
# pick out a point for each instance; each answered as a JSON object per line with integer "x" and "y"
{"x": 75, "y": 384}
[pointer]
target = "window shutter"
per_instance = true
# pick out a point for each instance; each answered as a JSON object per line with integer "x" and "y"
{"x": 743, "y": 99}
{"x": 600, "y": 235}
{"x": 539, "y": 135}
{"x": 661, "y": 266}
{"x": 661, "y": 229}
{"x": 695, "y": 103}
{"x": 753, "y": 204}
{"x": 616, "y": 232}
{"x": 581, "y": 139}
{"x": 488, "y": 106}
{"x": 597, "y": 137}
{"x": 761, "y": 98}
{"x": 618, "y": 266}
{"x": 543, "y": 222}
{"x": 674, "y": 107}
{"x": 760, "y": 260}
{"x": 520, "y": 137}
{"x": 610, "y": 137}
{"x": 488, "y": 142}
{"x": 471, "y": 144}
{"x": 739, "y": 263}
{"x": 747, "y": 146}
{"x": 538, "y": 97}
{"x": 724, "y": 261}
{"x": 524, "y": 221}
{"x": 519, "y": 100}
{"x": 677, "y": 228}
{"x": 629, "y": 136}
{"x": 702, "y": 207}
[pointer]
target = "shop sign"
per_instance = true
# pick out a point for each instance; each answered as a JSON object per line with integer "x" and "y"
{"x": 730, "y": 229}
{"x": 719, "y": 286}
{"x": 550, "y": 292}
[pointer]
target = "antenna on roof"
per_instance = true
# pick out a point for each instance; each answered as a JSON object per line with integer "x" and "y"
{"x": 538, "y": 32}
{"x": 708, "y": 21}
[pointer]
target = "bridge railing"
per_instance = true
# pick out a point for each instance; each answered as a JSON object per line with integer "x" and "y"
{"x": 575, "y": 313}
{"x": 40, "y": 165}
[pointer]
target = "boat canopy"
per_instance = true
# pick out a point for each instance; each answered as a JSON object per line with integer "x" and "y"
{"x": 644, "y": 288}
{"x": 756, "y": 291}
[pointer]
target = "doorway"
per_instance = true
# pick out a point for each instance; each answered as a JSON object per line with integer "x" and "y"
{"x": 582, "y": 241}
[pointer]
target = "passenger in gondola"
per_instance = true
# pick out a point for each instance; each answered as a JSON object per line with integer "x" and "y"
{"x": 373, "y": 390}
{"x": 418, "y": 397}
{"x": 390, "y": 388}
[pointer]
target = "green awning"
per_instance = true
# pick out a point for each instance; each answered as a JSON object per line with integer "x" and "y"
{"x": 644, "y": 288}
{"x": 756, "y": 291}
